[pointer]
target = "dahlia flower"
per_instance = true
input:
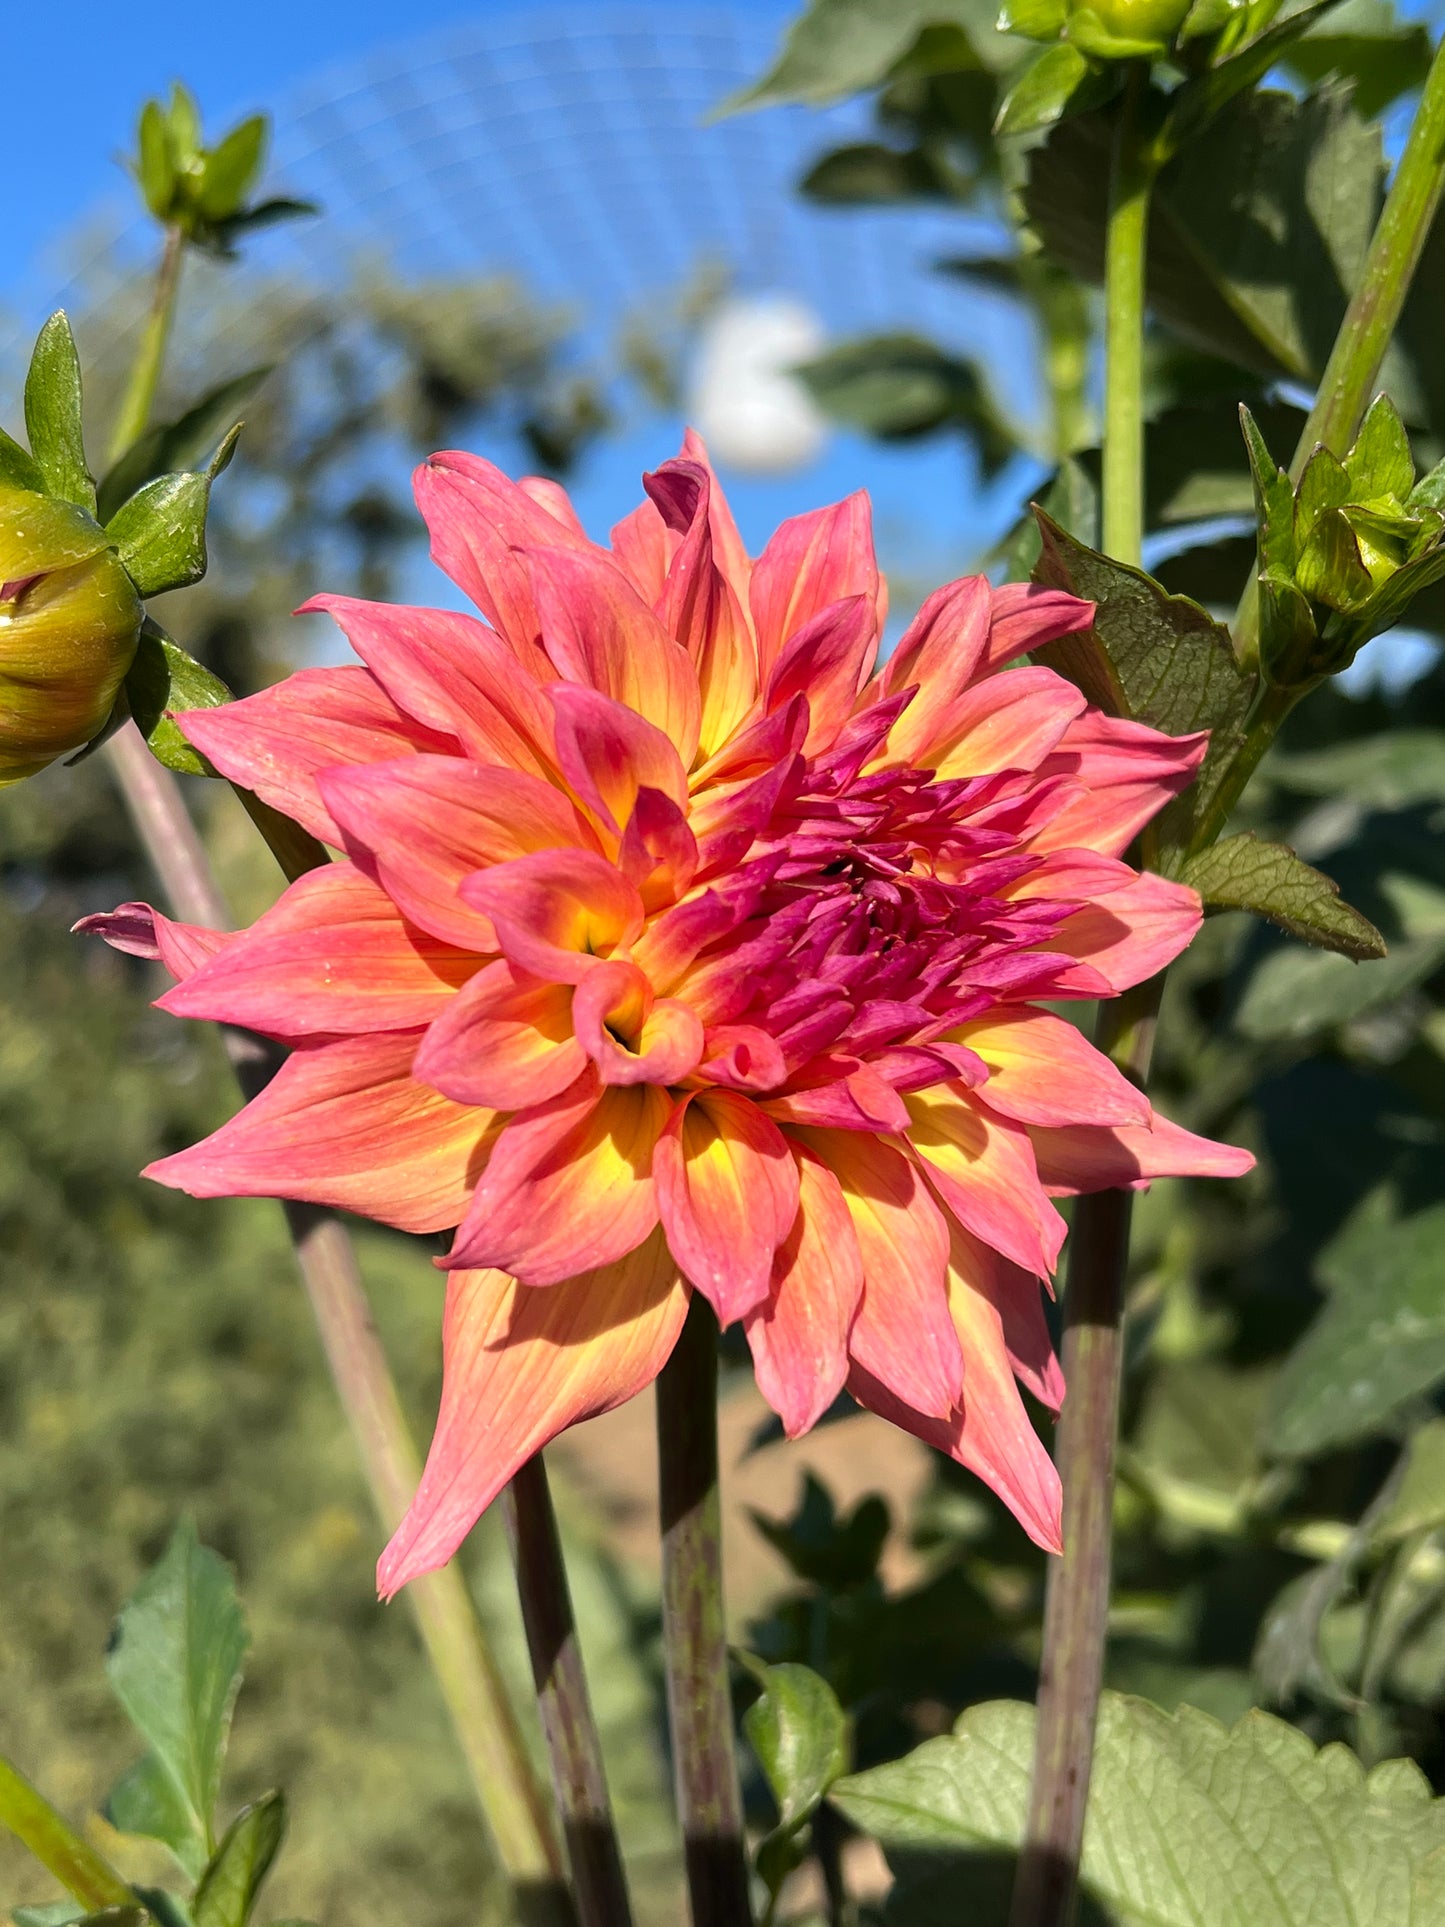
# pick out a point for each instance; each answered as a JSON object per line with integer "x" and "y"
{"x": 675, "y": 945}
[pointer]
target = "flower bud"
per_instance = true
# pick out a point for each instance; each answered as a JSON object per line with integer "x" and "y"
{"x": 1156, "y": 20}
{"x": 69, "y": 623}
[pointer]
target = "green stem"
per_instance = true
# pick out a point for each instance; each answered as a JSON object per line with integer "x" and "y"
{"x": 472, "y": 1688}
{"x": 699, "y": 1700}
{"x": 578, "y": 1777}
{"x": 57, "y": 1846}
{"x": 1077, "y": 1608}
{"x": 1347, "y": 386}
{"x": 145, "y": 374}
{"x": 1130, "y": 179}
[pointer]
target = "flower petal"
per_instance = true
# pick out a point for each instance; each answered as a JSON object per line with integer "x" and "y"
{"x": 826, "y": 661}
{"x": 727, "y": 1189}
{"x": 278, "y": 742}
{"x": 1044, "y": 1071}
{"x": 799, "y": 1334}
{"x": 1127, "y": 771}
{"x": 938, "y": 654}
{"x": 608, "y": 753}
{"x": 1004, "y": 722}
{"x": 983, "y": 1168}
{"x": 555, "y": 912}
{"x": 422, "y": 825}
{"x": 1083, "y": 1159}
{"x": 902, "y": 1332}
{"x": 812, "y": 560}
{"x": 613, "y": 1002}
{"x": 451, "y": 673}
{"x": 346, "y": 1125}
{"x": 1132, "y": 931}
{"x": 569, "y": 1185}
{"x": 333, "y": 955}
{"x": 520, "y": 1366}
{"x": 506, "y": 1040}
{"x": 1026, "y": 616}
{"x": 140, "y": 931}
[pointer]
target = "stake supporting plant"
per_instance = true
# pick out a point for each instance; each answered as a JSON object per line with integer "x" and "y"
{"x": 699, "y": 1698}
{"x": 579, "y": 1781}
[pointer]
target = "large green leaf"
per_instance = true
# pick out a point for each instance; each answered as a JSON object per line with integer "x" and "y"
{"x": 175, "y": 1665}
{"x": 1191, "y": 1824}
{"x": 146, "y": 1800}
{"x": 799, "y": 1733}
{"x": 842, "y": 47}
{"x": 1257, "y": 230}
{"x": 1365, "y": 42}
{"x": 1156, "y": 658}
{"x": 1378, "y": 1342}
{"x": 1389, "y": 772}
{"x": 898, "y": 385}
{"x": 1246, "y": 873}
{"x": 231, "y": 1882}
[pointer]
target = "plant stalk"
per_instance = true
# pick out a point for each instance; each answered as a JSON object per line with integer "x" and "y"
{"x": 1077, "y": 1606}
{"x": 699, "y": 1698}
{"x": 1348, "y": 384}
{"x": 145, "y": 374}
{"x": 579, "y": 1779}
{"x": 57, "y": 1846}
{"x": 485, "y": 1724}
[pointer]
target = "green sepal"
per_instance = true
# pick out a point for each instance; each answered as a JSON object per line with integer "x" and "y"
{"x": 1089, "y": 34}
{"x": 231, "y": 1882}
{"x": 1273, "y": 499}
{"x": 1323, "y": 485}
{"x": 183, "y": 120}
{"x": 1200, "y": 99}
{"x": 1288, "y": 635}
{"x": 1245, "y": 873}
{"x": 18, "y": 467}
{"x": 165, "y": 1908}
{"x": 163, "y": 681}
{"x": 180, "y": 444}
{"x": 155, "y": 160}
{"x": 1208, "y": 17}
{"x": 1033, "y": 19}
{"x": 52, "y": 414}
{"x": 1429, "y": 491}
{"x": 1329, "y": 567}
{"x": 160, "y": 533}
{"x": 230, "y": 170}
{"x": 1380, "y": 463}
{"x": 1058, "y": 81}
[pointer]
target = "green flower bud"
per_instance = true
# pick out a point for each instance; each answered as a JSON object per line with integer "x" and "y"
{"x": 69, "y": 623}
{"x": 1153, "y": 20}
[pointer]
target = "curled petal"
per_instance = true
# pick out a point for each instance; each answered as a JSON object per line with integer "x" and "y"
{"x": 902, "y": 1332}
{"x": 333, "y": 955}
{"x": 743, "y": 1058}
{"x": 142, "y": 932}
{"x": 799, "y": 1334}
{"x": 631, "y": 1037}
{"x": 983, "y": 1168}
{"x": 658, "y": 851}
{"x": 727, "y": 1188}
{"x": 555, "y": 912}
{"x": 569, "y": 1186}
{"x": 345, "y": 1125}
{"x": 520, "y": 1366}
{"x": 452, "y": 674}
{"x": 846, "y": 1096}
{"x": 506, "y": 1041}
{"x": 1079, "y": 1158}
{"x": 421, "y": 826}
{"x": 608, "y": 754}
{"x": 1043, "y": 1071}
{"x": 278, "y": 742}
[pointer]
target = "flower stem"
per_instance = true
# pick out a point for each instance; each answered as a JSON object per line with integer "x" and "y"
{"x": 57, "y": 1846}
{"x": 145, "y": 374}
{"x": 471, "y": 1685}
{"x": 699, "y": 1698}
{"x": 1347, "y": 385}
{"x": 1077, "y": 1608}
{"x": 578, "y": 1777}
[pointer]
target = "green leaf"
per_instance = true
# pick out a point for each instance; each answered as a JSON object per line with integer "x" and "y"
{"x": 1257, "y": 229}
{"x": 155, "y": 160}
{"x": 799, "y": 1733}
{"x": 164, "y": 681}
{"x": 841, "y": 47}
{"x": 230, "y": 1884}
{"x": 1243, "y": 873}
{"x": 165, "y": 1909}
{"x": 1199, "y": 100}
{"x": 52, "y": 414}
{"x": 263, "y": 214}
{"x": 1389, "y": 772}
{"x": 68, "y": 1913}
{"x": 1380, "y": 463}
{"x": 181, "y": 444}
{"x": 1378, "y": 1343}
{"x": 18, "y": 468}
{"x": 1093, "y": 37}
{"x": 230, "y": 169}
{"x": 1190, "y": 1823}
{"x": 184, "y": 119}
{"x": 1034, "y": 19}
{"x": 1366, "y": 43}
{"x": 146, "y": 1801}
{"x": 175, "y": 1666}
{"x": 1419, "y": 1501}
{"x": 1057, "y": 81}
{"x": 867, "y": 174}
{"x": 897, "y": 386}
{"x": 1152, "y": 657}
{"x": 821, "y": 1547}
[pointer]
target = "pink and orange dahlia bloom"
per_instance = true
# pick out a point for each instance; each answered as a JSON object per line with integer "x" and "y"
{"x": 675, "y": 945}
